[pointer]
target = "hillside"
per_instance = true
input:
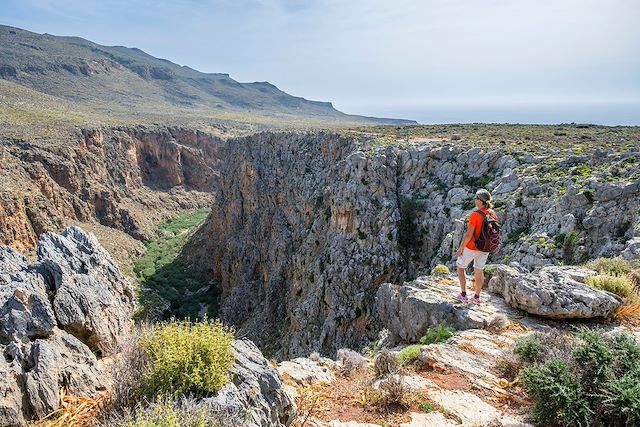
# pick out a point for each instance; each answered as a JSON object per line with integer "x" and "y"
{"x": 93, "y": 83}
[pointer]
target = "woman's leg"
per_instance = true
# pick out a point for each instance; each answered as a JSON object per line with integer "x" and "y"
{"x": 478, "y": 274}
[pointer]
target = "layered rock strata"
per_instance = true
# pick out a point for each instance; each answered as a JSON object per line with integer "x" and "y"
{"x": 125, "y": 178}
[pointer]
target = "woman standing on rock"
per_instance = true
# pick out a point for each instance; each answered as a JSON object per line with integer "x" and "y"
{"x": 468, "y": 251}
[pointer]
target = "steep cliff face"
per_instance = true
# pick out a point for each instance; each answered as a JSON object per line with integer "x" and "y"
{"x": 127, "y": 179}
{"x": 307, "y": 226}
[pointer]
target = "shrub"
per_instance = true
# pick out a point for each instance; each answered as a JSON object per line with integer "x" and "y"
{"x": 610, "y": 266}
{"x": 621, "y": 400}
{"x": 408, "y": 354}
{"x": 188, "y": 357}
{"x": 130, "y": 369}
{"x": 559, "y": 396}
{"x": 569, "y": 244}
{"x": 438, "y": 334}
{"x": 594, "y": 357}
{"x": 619, "y": 285}
{"x": 393, "y": 390}
{"x": 440, "y": 270}
{"x": 528, "y": 348}
{"x": 509, "y": 366}
{"x": 634, "y": 276}
{"x": 426, "y": 407}
{"x": 350, "y": 361}
{"x": 386, "y": 363}
{"x": 167, "y": 414}
{"x": 488, "y": 271}
{"x": 594, "y": 382}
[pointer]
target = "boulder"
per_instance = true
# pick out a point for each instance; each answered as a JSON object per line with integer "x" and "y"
{"x": 407, "y": 311}
{"x": 51, "y": 313}
{"x": 632, "y": 249}
{"x": 256, "y": 396}
{"x": 25, "y": 310}
{"x": 93, "y": 300}
{"x": 305, "y": 371}
{"x": 553, "y": 292}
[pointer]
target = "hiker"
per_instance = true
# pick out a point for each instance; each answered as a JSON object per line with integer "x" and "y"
{"x": 468, "y": 251}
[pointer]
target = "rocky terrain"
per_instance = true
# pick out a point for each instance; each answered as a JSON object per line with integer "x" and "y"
{"x": 65, "y": 316}
{"x": 58, "y": 316}
{"x": 126, "y": 179}
{"x": 306, "y": 227}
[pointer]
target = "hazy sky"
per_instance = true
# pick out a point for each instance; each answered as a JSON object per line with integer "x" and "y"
{"x": 402, "y": 58}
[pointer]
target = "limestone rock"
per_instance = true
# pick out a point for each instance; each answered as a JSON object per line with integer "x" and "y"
{"x": 75, "y": 285}
{"x": 25, "y": 310}
{"x": 410, "y": 309}
{"x": 632, "y": 250}
{"x": 411, "y": 382}
{"x": 470, "y": 408}
{"x": 60, "y": 361}
{"x": 552, "y": 292}
{"x": 256, "y": 396}
{"x": 93, "y": 300}
{"x": 10, "y": 395}
{"x": 432, "y": 419}
{"x": 308, "y": 226}
{"x": 305, "y": 371}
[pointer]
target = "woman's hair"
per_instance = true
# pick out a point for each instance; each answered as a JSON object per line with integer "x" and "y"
{"x": 487, "y": 205}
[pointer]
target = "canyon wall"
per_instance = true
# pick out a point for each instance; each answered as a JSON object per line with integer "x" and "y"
{"x": 307, "y": 226}
{"x": 124, "y": 178}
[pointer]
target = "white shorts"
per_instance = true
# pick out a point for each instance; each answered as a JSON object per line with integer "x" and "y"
{"x": 479, "y": 259}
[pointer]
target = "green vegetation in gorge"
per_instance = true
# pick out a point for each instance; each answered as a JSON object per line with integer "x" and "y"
{"x": 168, "y": 284}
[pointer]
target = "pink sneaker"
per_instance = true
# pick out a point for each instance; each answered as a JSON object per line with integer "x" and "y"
{"x": 475, "y": 300}
{"x": 463, "y": 298}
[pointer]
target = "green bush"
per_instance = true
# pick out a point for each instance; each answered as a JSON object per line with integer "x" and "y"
{"x": 408, "y": 354}
{"x": 188, "y": 358}
{"x": 440, "y": 333}
{"x": 594, "y": 381}
{"x": 621, "y": 400}
{"x": 594, "y": 357}
{"x": 559, "y": 397}
{"x": 619, "y": 285}
{"x": 489, "y": 269}
{"x": 571, "y": 240}
{"x": 528, "y": 348}
{"x": 610, "y": 266}
{"x": 440, "y": 270}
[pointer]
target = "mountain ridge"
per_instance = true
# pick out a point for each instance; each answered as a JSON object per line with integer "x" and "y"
{"x": 118, "y": 79}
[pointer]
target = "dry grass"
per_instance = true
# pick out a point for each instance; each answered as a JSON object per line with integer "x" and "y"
{"x": 629, "y": 311}
{"x": 464, "y": 346}
{"x": 75, "y": 411}
{"x": 312, "y": 399}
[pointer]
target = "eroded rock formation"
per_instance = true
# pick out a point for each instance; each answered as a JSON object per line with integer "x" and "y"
{"x": 307, "y": 226}
{"x": 125, "y": 178}
{"x": 54, "y": 315}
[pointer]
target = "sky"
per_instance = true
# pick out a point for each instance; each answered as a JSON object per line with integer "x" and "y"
{"x": 527, "y": 61}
